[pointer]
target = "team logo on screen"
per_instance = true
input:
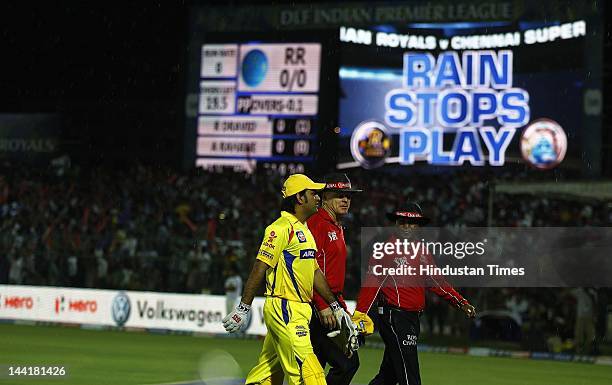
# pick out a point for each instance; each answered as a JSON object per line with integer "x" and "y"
{"x": 370, "y": 144}
{"x": 254, "y": 67}
{"x": 543, "y": 144}
{"x": 120, "y": 308}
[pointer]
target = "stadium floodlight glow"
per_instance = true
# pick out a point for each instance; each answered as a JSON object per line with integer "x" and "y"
{"x": 459, "y": 25}
{"x": 354, "y": 73}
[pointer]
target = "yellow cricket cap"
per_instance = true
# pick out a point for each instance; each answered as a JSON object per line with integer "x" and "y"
{"x": 299, "y": 182}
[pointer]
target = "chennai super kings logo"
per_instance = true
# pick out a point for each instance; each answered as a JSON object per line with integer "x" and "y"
{"x": 543, "y": 144}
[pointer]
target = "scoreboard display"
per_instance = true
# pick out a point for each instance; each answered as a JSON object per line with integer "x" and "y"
{"x": 258, "y": 104}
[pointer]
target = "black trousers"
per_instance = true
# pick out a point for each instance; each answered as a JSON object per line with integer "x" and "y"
{"x": 399, "y": 330}
{"x": 342, "y": 368}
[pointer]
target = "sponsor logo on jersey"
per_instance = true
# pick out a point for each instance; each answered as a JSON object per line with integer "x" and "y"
{"x": 270, "y": 241}
{"x": 300, "y": 236}
{"x": 301, "y": 331}
{"x": 307, "y": 254}
{"x": 272, "y": 237}
{"x": 410, "y": 340}
{"x": 265, "y": 254}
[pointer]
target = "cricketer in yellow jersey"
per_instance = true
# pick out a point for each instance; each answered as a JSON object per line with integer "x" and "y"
{"x": 286, "y": 260}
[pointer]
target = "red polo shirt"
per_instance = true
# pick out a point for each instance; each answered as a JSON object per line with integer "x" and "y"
{"x": 331, "y": 254}
{"x": 405, "y": 293}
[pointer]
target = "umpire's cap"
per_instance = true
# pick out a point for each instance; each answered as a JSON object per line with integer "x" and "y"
{"x": 411, "y": 213}
{"x": 339, "y": 182}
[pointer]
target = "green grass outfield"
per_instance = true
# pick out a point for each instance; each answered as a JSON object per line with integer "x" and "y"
{"x": 119, "y": 358}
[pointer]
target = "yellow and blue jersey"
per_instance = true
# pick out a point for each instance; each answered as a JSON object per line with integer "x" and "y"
{"x": 289, "y": 249}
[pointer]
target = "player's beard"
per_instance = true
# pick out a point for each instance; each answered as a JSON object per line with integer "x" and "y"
{"x": 313, "y": 206}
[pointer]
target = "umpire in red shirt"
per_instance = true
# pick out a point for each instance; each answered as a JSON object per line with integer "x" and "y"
{"x": 329, "y": 235}
{"x": 400, "y": 307}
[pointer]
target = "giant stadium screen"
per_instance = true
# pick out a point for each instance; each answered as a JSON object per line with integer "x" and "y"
{"x": 462, "y": 94}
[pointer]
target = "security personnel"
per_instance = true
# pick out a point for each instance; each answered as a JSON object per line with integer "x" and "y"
{"x": 401, "y": 307}
{"x": 286, "y": 259}
{"x": 331, "y": 256}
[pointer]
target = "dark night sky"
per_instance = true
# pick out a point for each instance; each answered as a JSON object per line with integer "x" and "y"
{"x": 114, "y": 72}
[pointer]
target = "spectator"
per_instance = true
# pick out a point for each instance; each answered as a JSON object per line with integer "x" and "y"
{"x": 151, "y": 228}
{"x": 584, "y": 332}
{"x": 233, "y": 288}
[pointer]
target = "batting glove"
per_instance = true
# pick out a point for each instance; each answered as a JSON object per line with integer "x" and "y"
{"x": 340, "y": 315}
{"x": 234, "y": 321}
{"x": 347, "y": 337}
{"x": 353, "y": 334}
{"x": 353, "y": 341}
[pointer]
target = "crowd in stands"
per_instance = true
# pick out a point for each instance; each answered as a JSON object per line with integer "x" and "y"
{"x": 151, "y": 228}
{"x": 142, "y": 229}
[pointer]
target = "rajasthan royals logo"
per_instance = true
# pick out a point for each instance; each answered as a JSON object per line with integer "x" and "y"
{"x": 370, "y": 144}
{"x": 543, "y": 144}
